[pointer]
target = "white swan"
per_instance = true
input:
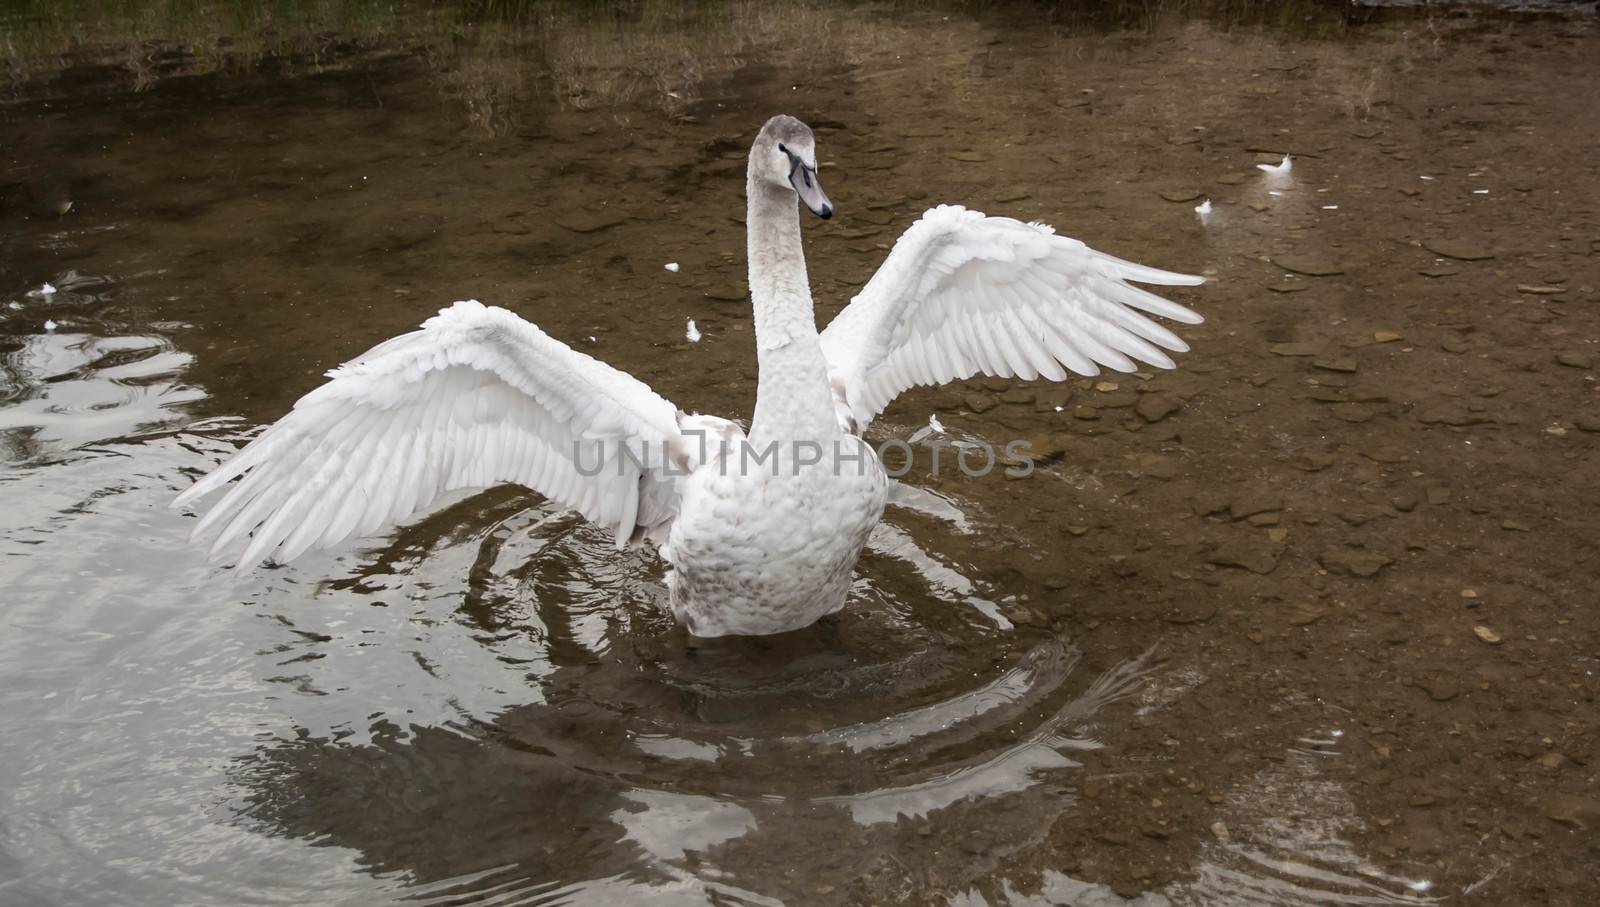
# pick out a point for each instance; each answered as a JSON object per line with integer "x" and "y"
{"x": 760, "y": 533}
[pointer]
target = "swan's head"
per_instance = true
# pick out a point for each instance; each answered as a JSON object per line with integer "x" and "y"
{"x": 785, "y": 154}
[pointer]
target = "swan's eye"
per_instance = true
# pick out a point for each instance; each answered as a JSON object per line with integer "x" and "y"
{"x": 782, "y": 148}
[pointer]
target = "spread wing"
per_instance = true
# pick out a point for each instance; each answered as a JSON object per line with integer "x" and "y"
{"x": 475, "y": 398}
{"x": 962, "y": 293}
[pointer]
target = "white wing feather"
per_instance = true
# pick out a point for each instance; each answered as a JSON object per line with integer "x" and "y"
{"x": 962, "y": 293}
{"x": 476, "y": 397}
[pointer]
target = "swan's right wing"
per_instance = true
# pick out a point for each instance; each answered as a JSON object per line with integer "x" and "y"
{"x": 962, "y": 293}
{"x": 475, "y": 398}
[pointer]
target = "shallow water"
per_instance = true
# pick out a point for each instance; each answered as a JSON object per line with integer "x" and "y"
{"x": 1223, "y": 655}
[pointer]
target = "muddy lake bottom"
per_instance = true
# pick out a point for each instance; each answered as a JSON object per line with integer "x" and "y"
{"x": 1309, "y": 620}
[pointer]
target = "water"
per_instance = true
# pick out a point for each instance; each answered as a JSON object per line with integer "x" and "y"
{"x": 1061, "y": 690}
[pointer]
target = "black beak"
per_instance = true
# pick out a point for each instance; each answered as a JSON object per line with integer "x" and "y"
{"x": 804, "y": 180}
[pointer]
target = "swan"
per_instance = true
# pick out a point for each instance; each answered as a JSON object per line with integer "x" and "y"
{"x": 759, "y": 530}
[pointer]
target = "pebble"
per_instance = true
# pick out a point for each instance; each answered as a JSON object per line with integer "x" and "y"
{"x": 1461, "y": 250}
{"x": 980, "y": 403}
{"x": 1288, "y": 287}
{"x": 1339, "y": 364}
{"x": 1451, "y": 415}
{"x": 589, "y": 223}
{"x": 1277, "y": 534}
{"x": 1576, "y": 810}
{"x": 1440, "y": 689}
{"x": 1575, "y": 360}
{"x": 727, "y": 293}
{"x": 1157, "y": 466}
{"x": 1533, "y": 290}
{"x": 1155, "y": 407}
{"x": 1303, "y": 614}
{"x": 1042, "y": 449}
{"x": 1181, "y": 195}
{"x": 1307, "y": 264}
{"x": 1207, "y": 503}
{"x": 1295, "y": 349}
{"x": 1439, "y": 271}
{"x": 1487, "y": 635}
{"x": 1252, "y": 502}
{"x": 1514, "y": 526}
{"x": 970, "y": 157}
{"x": 1387, "y": 337}
{"x": 1251, "y": 554}
{"x": 1354, "y": 561}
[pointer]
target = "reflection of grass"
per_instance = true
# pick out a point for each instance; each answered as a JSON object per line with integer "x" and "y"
{"x": 596, "y": 54}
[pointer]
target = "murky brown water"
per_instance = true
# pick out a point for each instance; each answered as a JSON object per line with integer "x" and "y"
{"x": 1313, "y": 624}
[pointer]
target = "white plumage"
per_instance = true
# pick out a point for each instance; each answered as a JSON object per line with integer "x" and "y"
{"x": 480, "y": 397}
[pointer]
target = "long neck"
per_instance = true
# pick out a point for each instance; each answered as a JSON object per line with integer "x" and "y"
{"x": 793, "y": 399}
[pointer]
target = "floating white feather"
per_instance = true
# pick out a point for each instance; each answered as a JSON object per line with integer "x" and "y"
{"x": 1279, "y": 169}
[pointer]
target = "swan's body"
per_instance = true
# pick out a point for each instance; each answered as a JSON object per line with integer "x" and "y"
{"x": 761, "y": 532}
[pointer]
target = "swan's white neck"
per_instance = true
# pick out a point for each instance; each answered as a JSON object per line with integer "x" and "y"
{"x": 793, "y": 399}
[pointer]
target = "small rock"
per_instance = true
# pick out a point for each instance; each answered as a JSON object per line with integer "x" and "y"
{"x": 970, "y": 157}
{"x": 1155, "y": 407}
{"x": 1157, "y": 466}
{"x": 1288, "y": 287}
{"x": 1440, "y": 689}
{"x": 1306, "y": 613}
{"x": 1461, "y": 250}
{"x": 980, "y": 403}
{"x": 1345, "y": 365}
{"x": 1307, "y": 264}
{"x": 1450, "y": 415}
{"x": 1354, "y": 561}
{"x": 1042, "y": 449}
{"x": 1250, "y": 554}
{"x": 1181, "y": 195}
{"x": 1260, "y": 520}
{"x": 1106, "y": 387}
{"x": 1439, "y": 271}
{"x": 1487, "y": 635}
{"x": 1220, "y": 831}
{"x": 1191, "y": 612}
{"x": 1437, "y": 495}
{"x": 1515, "y": 526}
{"x": 1387, "y": 336}
{"x": 1254, "y": 502}
{"x": 1314, "y": 461}
{"x": 1572, "y": 809}
{"x": 589, "y": 222}
{"x": 1207, "y": 503}
{"x": 1295, "y": 349}
{"x": 1532, "y": 290}
{"x": 1277, "y": 534}
{"x": 1575, "y": 360}
{"x": 727, "y": 293}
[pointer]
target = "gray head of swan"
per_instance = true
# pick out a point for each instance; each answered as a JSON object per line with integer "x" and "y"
{"x": 785, "y": 155}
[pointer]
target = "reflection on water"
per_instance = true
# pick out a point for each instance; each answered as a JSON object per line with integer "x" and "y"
{"x": 489, "y": 706}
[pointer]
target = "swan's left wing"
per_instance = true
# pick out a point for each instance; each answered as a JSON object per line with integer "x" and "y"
{"x": 962, "y": 293}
